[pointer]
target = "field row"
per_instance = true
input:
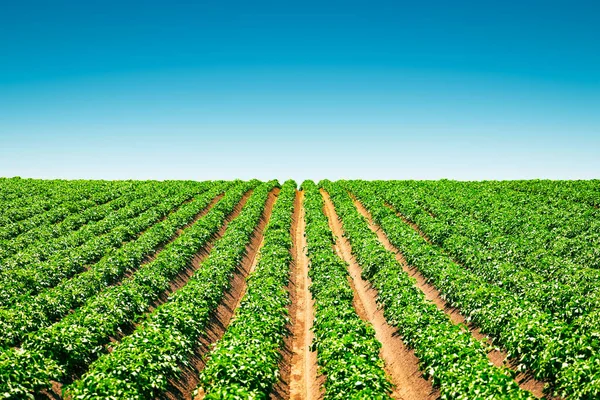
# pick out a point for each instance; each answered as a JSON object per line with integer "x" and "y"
{"x": 348, "y": 289}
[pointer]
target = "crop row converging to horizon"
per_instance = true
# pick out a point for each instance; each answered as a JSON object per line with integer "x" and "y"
{"x": 337, "y": 290}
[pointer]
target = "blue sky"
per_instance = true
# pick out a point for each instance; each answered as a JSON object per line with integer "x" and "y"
{"x": 312, "y": 89}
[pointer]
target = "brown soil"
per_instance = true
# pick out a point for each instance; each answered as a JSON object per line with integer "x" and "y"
{"x": 54, "y": 393}
{"x": 184, "y": 387}
{"x": 401, "y": 364}
{"x": 497, "y": 357}
{"x": 299, "y": 375}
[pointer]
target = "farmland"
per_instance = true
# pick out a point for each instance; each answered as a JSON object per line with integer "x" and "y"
{"x": 333, "y": 289}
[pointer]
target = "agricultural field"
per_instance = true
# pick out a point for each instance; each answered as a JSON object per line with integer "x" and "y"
{"x": 308, "y": 290}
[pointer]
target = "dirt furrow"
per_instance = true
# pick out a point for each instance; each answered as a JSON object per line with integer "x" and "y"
{"x": 184, "y": 387}
{"x": 299, "y": 378}
{"x": 401, "y": 365}
{"x": 497, "y": 357}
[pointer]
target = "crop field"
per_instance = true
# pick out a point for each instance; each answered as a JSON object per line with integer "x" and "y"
{"x": 329, "y": 290}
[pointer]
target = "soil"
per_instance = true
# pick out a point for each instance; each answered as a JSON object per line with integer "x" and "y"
{"x": 299, "y": 377}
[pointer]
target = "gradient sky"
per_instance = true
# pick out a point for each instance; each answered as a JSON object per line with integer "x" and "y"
{"x": 311, "y": 89}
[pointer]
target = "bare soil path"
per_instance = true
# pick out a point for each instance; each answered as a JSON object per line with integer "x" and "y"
{"x": 299, "y": 365}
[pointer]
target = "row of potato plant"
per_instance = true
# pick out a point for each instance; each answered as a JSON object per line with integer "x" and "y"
{"x": 571, "y": 303}
{"x": 55, "y": 214}
{"x": 346, "y": 347}
{"x": 23, "y": 199}
{"x": 17, "y": 194}
{"x": 33, "y": 197}
{"x": 572, "y": 355}
{"x": 553, "y": 237}
{"x": 549, "y": 348}
{"x": 447, "y": 352}
{"x": 140, "y": 366}
{"x": 31, "y": 313}
{"x": 77, "y": 228}
{"x": 474, "y": 244}
{"x": 30, "y": 279}
{"x": 586, "y": 192}
{"x": 244, "y": 363}
{"x": 67, "y": 226}
{"x": 67, "y": 347}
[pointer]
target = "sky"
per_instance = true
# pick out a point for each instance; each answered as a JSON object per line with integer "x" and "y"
{"x": 304, "y": 90}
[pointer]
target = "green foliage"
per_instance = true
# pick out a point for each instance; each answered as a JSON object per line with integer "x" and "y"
{"x": 140, "y": 366}
{"x": 24, "y": 373}
{"x": 550, "y": 348}
{"x": 30, "y": 313}
{"x": 519, "y": 259}
{"x": 82, "y": 336}
{"x": 447, "y": 352}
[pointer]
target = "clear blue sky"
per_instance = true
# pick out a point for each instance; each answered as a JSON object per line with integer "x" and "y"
{"x": 311, "y": 89}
